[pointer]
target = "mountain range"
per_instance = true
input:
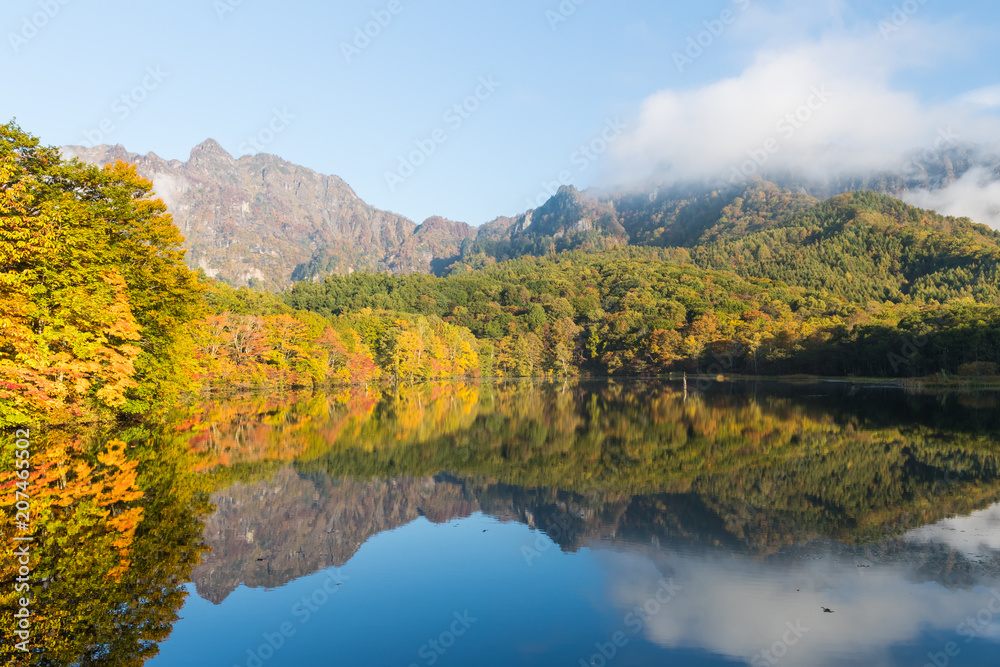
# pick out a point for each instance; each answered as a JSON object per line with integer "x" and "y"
{"x": 261, "y": 221}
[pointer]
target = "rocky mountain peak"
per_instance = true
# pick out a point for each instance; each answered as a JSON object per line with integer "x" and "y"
{"x": 210, "y": 147}
{"x": 210, "y": 157}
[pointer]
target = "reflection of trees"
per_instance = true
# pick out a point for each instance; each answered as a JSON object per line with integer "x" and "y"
{"x": 118, "y": 531}
{"x": 245, "y": 438}
{"x": 769, "y": 470}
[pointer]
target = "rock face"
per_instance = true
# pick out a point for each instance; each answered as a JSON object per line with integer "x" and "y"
{"x": 261, "y": 220}
{"x": 567, "y": 212}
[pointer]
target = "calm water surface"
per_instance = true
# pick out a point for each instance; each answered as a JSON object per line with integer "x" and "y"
{"x": 596, "y": 524}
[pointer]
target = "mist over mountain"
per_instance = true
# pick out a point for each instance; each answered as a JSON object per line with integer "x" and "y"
{"x": 961, "y": 180}
{"x": 826, "y": 115}
{"x": 958, "y": 179}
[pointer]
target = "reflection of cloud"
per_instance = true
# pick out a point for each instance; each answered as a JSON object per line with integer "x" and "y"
{"x": 974, "y": 535}
{"x": 737, "y": 607}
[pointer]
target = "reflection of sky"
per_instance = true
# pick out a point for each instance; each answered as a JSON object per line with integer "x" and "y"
{"x": 404, "y": 586}
{"x": 736, "y": 606}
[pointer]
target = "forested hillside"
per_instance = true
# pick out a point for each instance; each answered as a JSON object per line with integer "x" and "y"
{"x": 638, "y": 311}
{"x": 861, "y": 246}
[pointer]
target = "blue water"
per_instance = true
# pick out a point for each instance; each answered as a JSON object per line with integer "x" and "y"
{"x": 452, "y": 594}
{"x": 843, "y": 553}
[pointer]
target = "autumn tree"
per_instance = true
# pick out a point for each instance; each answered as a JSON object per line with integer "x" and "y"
{"x": 93, "y": 289}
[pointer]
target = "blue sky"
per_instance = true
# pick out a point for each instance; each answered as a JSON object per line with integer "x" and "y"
{"x": 604, "y": 74}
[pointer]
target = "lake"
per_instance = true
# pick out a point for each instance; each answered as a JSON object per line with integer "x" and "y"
{"x": 582, "y": 523}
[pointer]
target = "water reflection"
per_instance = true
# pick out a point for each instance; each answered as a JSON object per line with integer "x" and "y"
{"x": 758, "y": 471}
{"x": 115, "y": 521}
{"x": 270, "y": 533}
{"x": 764, "y": 507}
{"x": 768, "y": 611}
{"x": 555, "y": 514}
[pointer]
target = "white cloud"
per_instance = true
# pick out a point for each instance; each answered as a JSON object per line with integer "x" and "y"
{"x": 976, "y": 195}
{"x": 749, "y": 121}
{"x": 988, "y": 97}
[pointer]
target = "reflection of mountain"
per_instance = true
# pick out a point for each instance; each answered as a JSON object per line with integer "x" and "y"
{"x": 746, "y": 471}
{"x": 773, "y": 468}
{"x": 269, "y": 533}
